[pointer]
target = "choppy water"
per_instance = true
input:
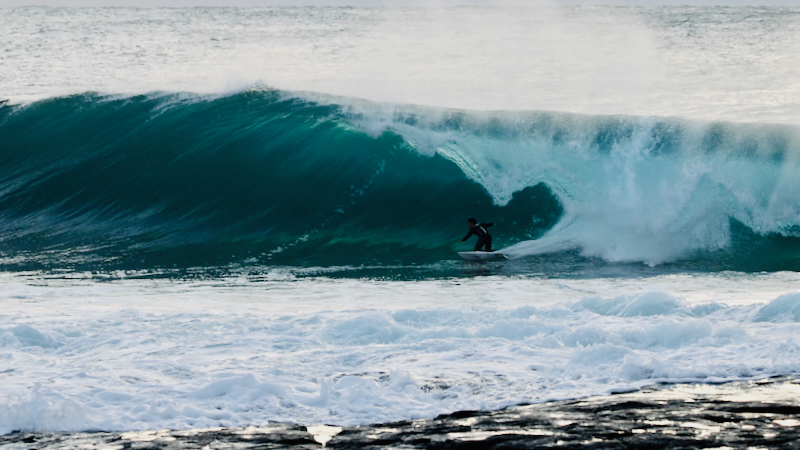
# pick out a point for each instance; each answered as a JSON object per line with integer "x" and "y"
{"x": 235, "y": 216}
{"x": 136, "y": 354}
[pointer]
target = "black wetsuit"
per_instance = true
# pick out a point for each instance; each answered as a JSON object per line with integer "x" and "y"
{"x": 484, "y": 238}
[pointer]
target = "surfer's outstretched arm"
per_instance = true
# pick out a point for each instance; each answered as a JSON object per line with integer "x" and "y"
{"x": 467, "y": 236}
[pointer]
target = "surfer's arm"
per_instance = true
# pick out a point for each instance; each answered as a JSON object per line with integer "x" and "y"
{"x": 487, "y": 225}
{"x": 467, "y": 236}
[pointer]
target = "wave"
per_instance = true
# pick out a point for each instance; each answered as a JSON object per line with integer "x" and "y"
{"x": 361, "y": 365}
{"x": 268, "y": 177}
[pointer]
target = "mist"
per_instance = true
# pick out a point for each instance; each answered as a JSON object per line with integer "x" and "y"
{"x": 379, "y": 3}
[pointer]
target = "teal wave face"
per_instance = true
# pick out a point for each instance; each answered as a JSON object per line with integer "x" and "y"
{"x": 96, "y": 182}
{"x": 259, "y": 178}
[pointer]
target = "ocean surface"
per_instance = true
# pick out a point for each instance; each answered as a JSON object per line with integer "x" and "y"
{"x": 233, "y": 217}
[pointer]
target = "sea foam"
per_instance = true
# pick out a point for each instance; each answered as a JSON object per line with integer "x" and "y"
{"x": 134, "y": 355}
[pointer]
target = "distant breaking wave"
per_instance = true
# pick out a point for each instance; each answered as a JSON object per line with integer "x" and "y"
{"x": 265, "y": 177}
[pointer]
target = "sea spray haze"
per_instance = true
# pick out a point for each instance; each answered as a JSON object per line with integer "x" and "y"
{"x": 230, "y": 216}
{"x": 733, "y": 64}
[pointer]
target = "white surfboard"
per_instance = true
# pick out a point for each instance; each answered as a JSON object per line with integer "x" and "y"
{"x": 482, "y": 256}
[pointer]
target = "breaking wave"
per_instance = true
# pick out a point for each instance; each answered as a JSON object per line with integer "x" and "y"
{"x": 268, "y": 177}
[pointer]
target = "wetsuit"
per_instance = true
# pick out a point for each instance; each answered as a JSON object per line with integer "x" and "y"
{"x": 484, "y": 238}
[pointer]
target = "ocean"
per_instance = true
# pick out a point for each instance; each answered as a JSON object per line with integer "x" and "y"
{"x": 232, "y": 219}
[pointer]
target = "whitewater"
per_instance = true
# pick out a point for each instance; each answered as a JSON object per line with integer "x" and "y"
{"x": 225, "y": 217}
{"x": 231, "y": 352}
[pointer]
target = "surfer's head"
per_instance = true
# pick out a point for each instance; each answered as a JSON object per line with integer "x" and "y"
{"x": 472, "y": 222}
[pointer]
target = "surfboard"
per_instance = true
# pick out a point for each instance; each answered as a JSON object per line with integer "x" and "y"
{"x": 482, "y": 256}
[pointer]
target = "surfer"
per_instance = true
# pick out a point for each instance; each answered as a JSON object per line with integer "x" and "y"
{"x": 480, "y": 230}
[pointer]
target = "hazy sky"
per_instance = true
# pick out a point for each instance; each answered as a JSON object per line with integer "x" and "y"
{"x": 180, "y": 3}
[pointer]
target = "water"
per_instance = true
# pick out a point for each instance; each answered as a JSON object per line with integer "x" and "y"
{"x": 134, "y": 354}
{"x": 736, "y": 414}
{"x": 732, "y": 64}
{"x": 232, "y": 217}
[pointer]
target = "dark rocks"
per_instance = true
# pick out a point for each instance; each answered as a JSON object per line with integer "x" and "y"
{"x": 764, "y": 414}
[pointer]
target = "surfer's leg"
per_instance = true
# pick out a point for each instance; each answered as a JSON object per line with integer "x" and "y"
{"x": 488, "y": 243}
{"x": 479, "y": 244}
